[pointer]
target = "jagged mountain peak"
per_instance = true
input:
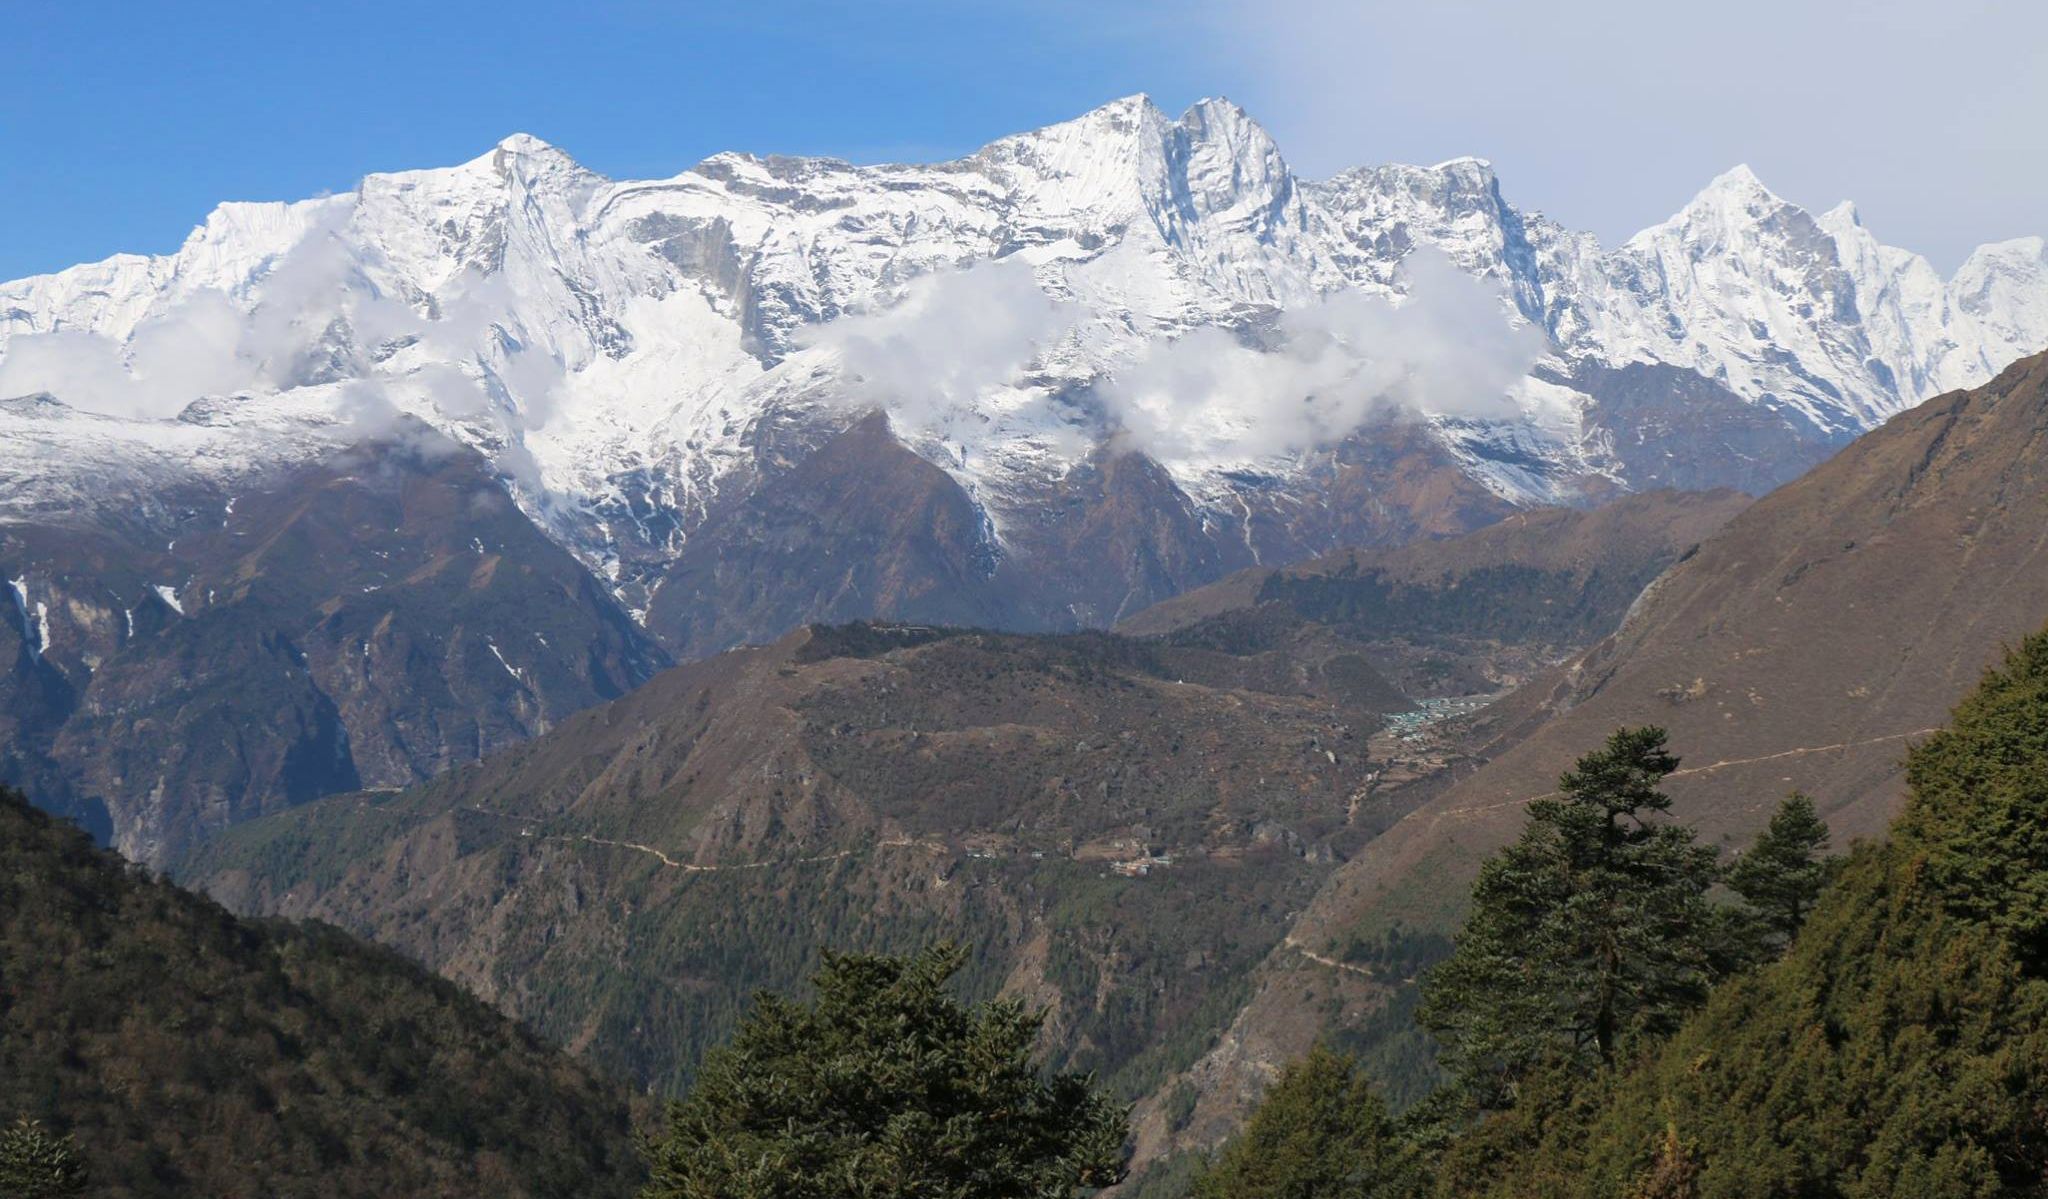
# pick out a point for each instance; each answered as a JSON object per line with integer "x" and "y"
{"x": 1732, "y": 203}
{"x": 620, "y": 348}
{"x": 2012, "y": 250}
{"x": 1220, "y": 112}
{"x": 1224, "y": 124}
{"x": 1738, "y": 184}
{"x": 1121, "y": 120}
{"x": 1739, "y": 178}
{"x": 528, "y": 144}
{"x": 518, "y": 165}
{"x": 1843, "y": 216}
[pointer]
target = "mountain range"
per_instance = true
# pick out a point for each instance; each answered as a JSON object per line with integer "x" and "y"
{"x": 1166, "y": 573}
{"x": 1242, "y": 823}
{"x": 1043, "y": 387}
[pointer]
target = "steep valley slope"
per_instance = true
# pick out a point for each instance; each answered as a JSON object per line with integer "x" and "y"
{"x": 189, "y": 1052}
{"x": 1806, "y": 645}
{"x": 1121, "y": 827}
{"x": 367, "y": 619}
{"x": 1111, "y": 836}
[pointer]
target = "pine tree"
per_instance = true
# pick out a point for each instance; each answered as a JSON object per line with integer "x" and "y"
{"x": 886, "y": 1086}
{"x": 1319, "y": 1133}
{"x": 1785, "y": 871}
{"x": 34, "y": 1164}
{"x": 1591, "y": 929}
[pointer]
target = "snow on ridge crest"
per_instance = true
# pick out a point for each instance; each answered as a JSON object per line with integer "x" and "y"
{"x": 585, "y": 332}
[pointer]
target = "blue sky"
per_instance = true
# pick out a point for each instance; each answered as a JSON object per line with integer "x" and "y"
{"x": 122, "y": 124}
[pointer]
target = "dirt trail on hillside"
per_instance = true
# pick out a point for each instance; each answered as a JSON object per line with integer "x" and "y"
{"x": 717, "y": 868}
{"x": 1689, "y": 771}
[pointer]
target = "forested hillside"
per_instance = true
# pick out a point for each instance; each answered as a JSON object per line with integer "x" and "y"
{"x": 1897, "y": 1046}
{"x": 1900, "y": 1049}
{"x": 191, "y": 1053}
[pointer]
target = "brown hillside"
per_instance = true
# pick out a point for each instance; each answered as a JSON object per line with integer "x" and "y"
{"x": 1806, "y": 645}
{"x": 1124, "y": 828}
{"x": 1617, "y": 536}
{"x": 1120, "y": 830}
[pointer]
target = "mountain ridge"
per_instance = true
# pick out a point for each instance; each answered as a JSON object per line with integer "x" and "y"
{"x": 1200, "y": 217}
{"x": 1090, "y": 366}
{"x": 1807, "y": 644}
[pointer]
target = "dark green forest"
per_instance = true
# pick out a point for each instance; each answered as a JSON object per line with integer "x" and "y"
{"x": 178, "y": 1050}
{"x": 887, "y": 1085}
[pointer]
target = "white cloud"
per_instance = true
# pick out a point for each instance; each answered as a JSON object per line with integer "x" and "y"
{"x": 172, "y": 359}
{"x": 954, "y": 335}
{"x": 1447, "y": 349}
{"x": 316, "y": 317}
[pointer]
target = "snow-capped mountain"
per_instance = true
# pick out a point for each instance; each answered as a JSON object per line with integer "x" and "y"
{"x": 1042, "y": 386}
{"x": 624, "y": 351}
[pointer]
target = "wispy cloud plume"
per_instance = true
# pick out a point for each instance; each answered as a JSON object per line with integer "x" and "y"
{"x": 1447, "y": 348}
{"x": 317, "y": 317}
{"x": 1313, "y": 377}
{"x": 953, "y": 336}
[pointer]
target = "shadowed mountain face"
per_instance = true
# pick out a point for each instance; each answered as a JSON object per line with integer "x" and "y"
{"x": 1806, "y": 645}
{"x": 1669, "y": 427}
{"x": 368, "y": 621}
{"x": 860, "y": 527}
{"x": 1462, "y": 615}
{"x": 191, "y": 1053}
{"x": 1121, "y": 827}
{"x": 863, "y": 528}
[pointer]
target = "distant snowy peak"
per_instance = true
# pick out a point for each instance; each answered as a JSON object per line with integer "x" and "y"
{"x": 2002, "y": 288}
{"x": 1456, "y": 207}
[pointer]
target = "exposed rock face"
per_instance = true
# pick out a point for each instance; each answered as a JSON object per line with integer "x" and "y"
{"x": 369, "y": 620}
